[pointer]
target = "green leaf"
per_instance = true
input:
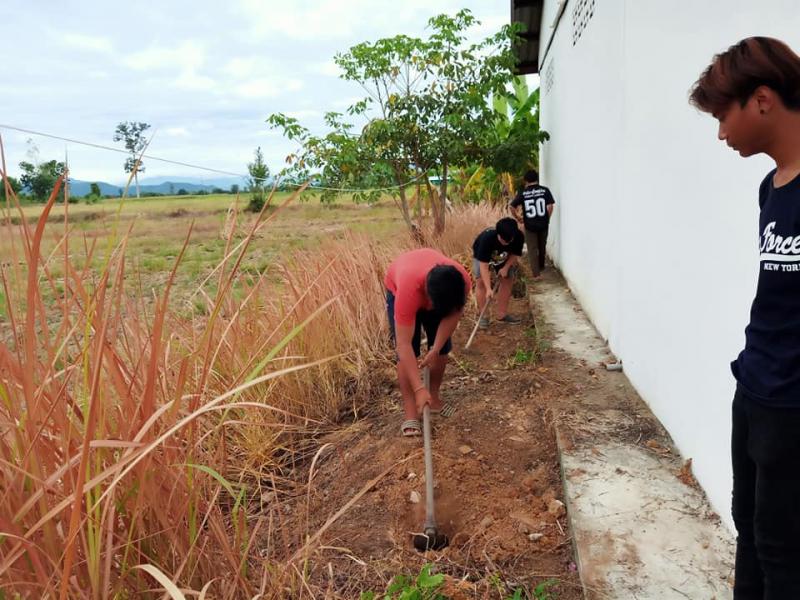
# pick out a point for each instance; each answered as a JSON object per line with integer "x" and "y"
{"x": 426, "y": 580}
{"x": 209, "y": 471}
{"x": 398, "y": 584}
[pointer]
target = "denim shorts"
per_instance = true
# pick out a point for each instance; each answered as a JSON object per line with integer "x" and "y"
{"x": 426, "y": 319}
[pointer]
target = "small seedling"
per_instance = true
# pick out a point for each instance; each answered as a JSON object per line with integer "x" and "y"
{"x": 424, "y": 587}
{"x": 540, "y": 592}
{"x": 522, "y": 357}
{"x": 496, "y": 582}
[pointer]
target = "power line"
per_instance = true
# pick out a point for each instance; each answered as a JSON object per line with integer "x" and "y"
{"x": 200, "y": 167}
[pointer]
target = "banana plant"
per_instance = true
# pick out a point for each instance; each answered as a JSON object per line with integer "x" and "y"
{"x": 514, "y": 146}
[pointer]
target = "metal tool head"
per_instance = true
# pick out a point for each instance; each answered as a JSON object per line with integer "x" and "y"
{"x": 430, "y": 540}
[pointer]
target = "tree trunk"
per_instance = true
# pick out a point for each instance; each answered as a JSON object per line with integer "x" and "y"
{"x": 136, "y": 179}
{"x": 432, "y": 197}
{"x": 404, "y": 209}
{"x": 439, "y": 214}
{"x": 403, "y": 200}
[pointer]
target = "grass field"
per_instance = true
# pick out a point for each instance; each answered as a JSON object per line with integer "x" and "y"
{"x": 159, "y": 227}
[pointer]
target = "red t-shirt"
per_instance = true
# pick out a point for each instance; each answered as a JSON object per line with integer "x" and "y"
{"x": 405, "y": 278}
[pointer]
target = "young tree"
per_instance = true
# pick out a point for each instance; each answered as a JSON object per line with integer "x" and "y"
{"x": 426, "y": 109}
{"x": 259, "y": 173}
{"x": 131, "y": 133}
{"x": 235, "y": 188}
{"x": 40, "y": 179}
{"x": 94, "y": 195}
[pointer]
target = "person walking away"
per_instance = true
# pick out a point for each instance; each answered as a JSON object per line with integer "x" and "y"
{"x": 536, "y": 203}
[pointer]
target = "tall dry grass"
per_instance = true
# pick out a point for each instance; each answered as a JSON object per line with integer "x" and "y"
{"x": 144, "y": 451}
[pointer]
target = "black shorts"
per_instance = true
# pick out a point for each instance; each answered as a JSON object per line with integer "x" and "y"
{"x": 426, "y": 319}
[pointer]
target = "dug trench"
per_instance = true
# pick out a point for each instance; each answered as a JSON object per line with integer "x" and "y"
{"x": 498, "y": 487}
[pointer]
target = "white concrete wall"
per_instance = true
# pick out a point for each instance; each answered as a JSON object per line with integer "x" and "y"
{"x": 655, "y": 225}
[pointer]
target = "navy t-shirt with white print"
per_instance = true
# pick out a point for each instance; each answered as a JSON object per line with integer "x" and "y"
{"x": 768, "y": 369}
{"x": 534, "y": 200}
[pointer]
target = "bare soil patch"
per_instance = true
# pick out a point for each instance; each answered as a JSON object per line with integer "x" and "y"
{"x": 498, "y": 482}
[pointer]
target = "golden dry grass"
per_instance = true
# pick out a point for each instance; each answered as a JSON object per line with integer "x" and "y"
{"x": 143, "y": 435}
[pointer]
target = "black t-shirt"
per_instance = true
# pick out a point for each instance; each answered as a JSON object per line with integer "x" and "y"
{"x": 768, "y": 369}
{"x": 487, "y": 248}
{"x": 534, "y": 200}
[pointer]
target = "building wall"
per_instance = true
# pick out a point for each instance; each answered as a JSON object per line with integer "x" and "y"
{"x": 655, "y": 227}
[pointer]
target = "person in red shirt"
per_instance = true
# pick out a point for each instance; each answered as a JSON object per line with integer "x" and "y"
{"x": 424, "y": 290}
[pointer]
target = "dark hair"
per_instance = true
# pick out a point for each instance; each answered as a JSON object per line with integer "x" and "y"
{"x": 735, "y": 74}
{"x": 531, "y": 176}
{"x": 446, "y": 289}
{"x": 507, "y": 228}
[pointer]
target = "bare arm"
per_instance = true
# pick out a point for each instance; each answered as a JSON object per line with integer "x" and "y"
{"x": 510, "y": 262}
{"x": 446, "y": 328}
{"x": 486, "y": 278}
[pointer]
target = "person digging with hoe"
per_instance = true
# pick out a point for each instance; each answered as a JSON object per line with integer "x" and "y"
{"x": 753, "y": 90}
{"x": 424, "y": 290}
{"x": 497, "y": 248}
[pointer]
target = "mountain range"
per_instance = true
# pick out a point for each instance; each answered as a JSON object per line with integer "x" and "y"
{"x": 159, "y": 185}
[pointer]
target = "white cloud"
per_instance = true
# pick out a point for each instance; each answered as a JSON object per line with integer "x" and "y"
{"x": 267, "y": 88}
{"x": 327, "y": 68}
{"x": 176, "y": 131}
{"x": 489, "y": 26}
{"x": 294, "y": 85}
{"x": 188, "y": 56}
{"x": 241, "y": 68}
{"x": 273, "y": 133}
{"x": 343, "y": 103}
{"x": 189, "y": 80}
{"x": 206, "y": 78}
{"x": 258, "y": 88}
{"x": 86, "y": 42}
{"x": 303, "y": 114}
{"x": 306, "y": 20}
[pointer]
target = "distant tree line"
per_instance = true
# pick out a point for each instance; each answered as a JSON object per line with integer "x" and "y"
{"x": 37, "y": 181}
{"x": 38, "y": 178}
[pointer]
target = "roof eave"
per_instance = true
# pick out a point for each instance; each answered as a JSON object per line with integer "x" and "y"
{"x": 529, "y": 14}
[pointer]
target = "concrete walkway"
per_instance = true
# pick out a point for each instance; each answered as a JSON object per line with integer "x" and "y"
{"x": 642, "y": 527}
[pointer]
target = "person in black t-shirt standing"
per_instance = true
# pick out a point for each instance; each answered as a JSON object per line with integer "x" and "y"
{"x": 497, "y": 248}
{"x": 753, "y": 90}
{"x": 536, "y": 203}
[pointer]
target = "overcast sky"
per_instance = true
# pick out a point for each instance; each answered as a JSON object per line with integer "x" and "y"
{"x": 204, "y": 74}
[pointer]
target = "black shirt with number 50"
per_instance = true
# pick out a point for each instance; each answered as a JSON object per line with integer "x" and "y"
{"x": 534, "y": 200}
